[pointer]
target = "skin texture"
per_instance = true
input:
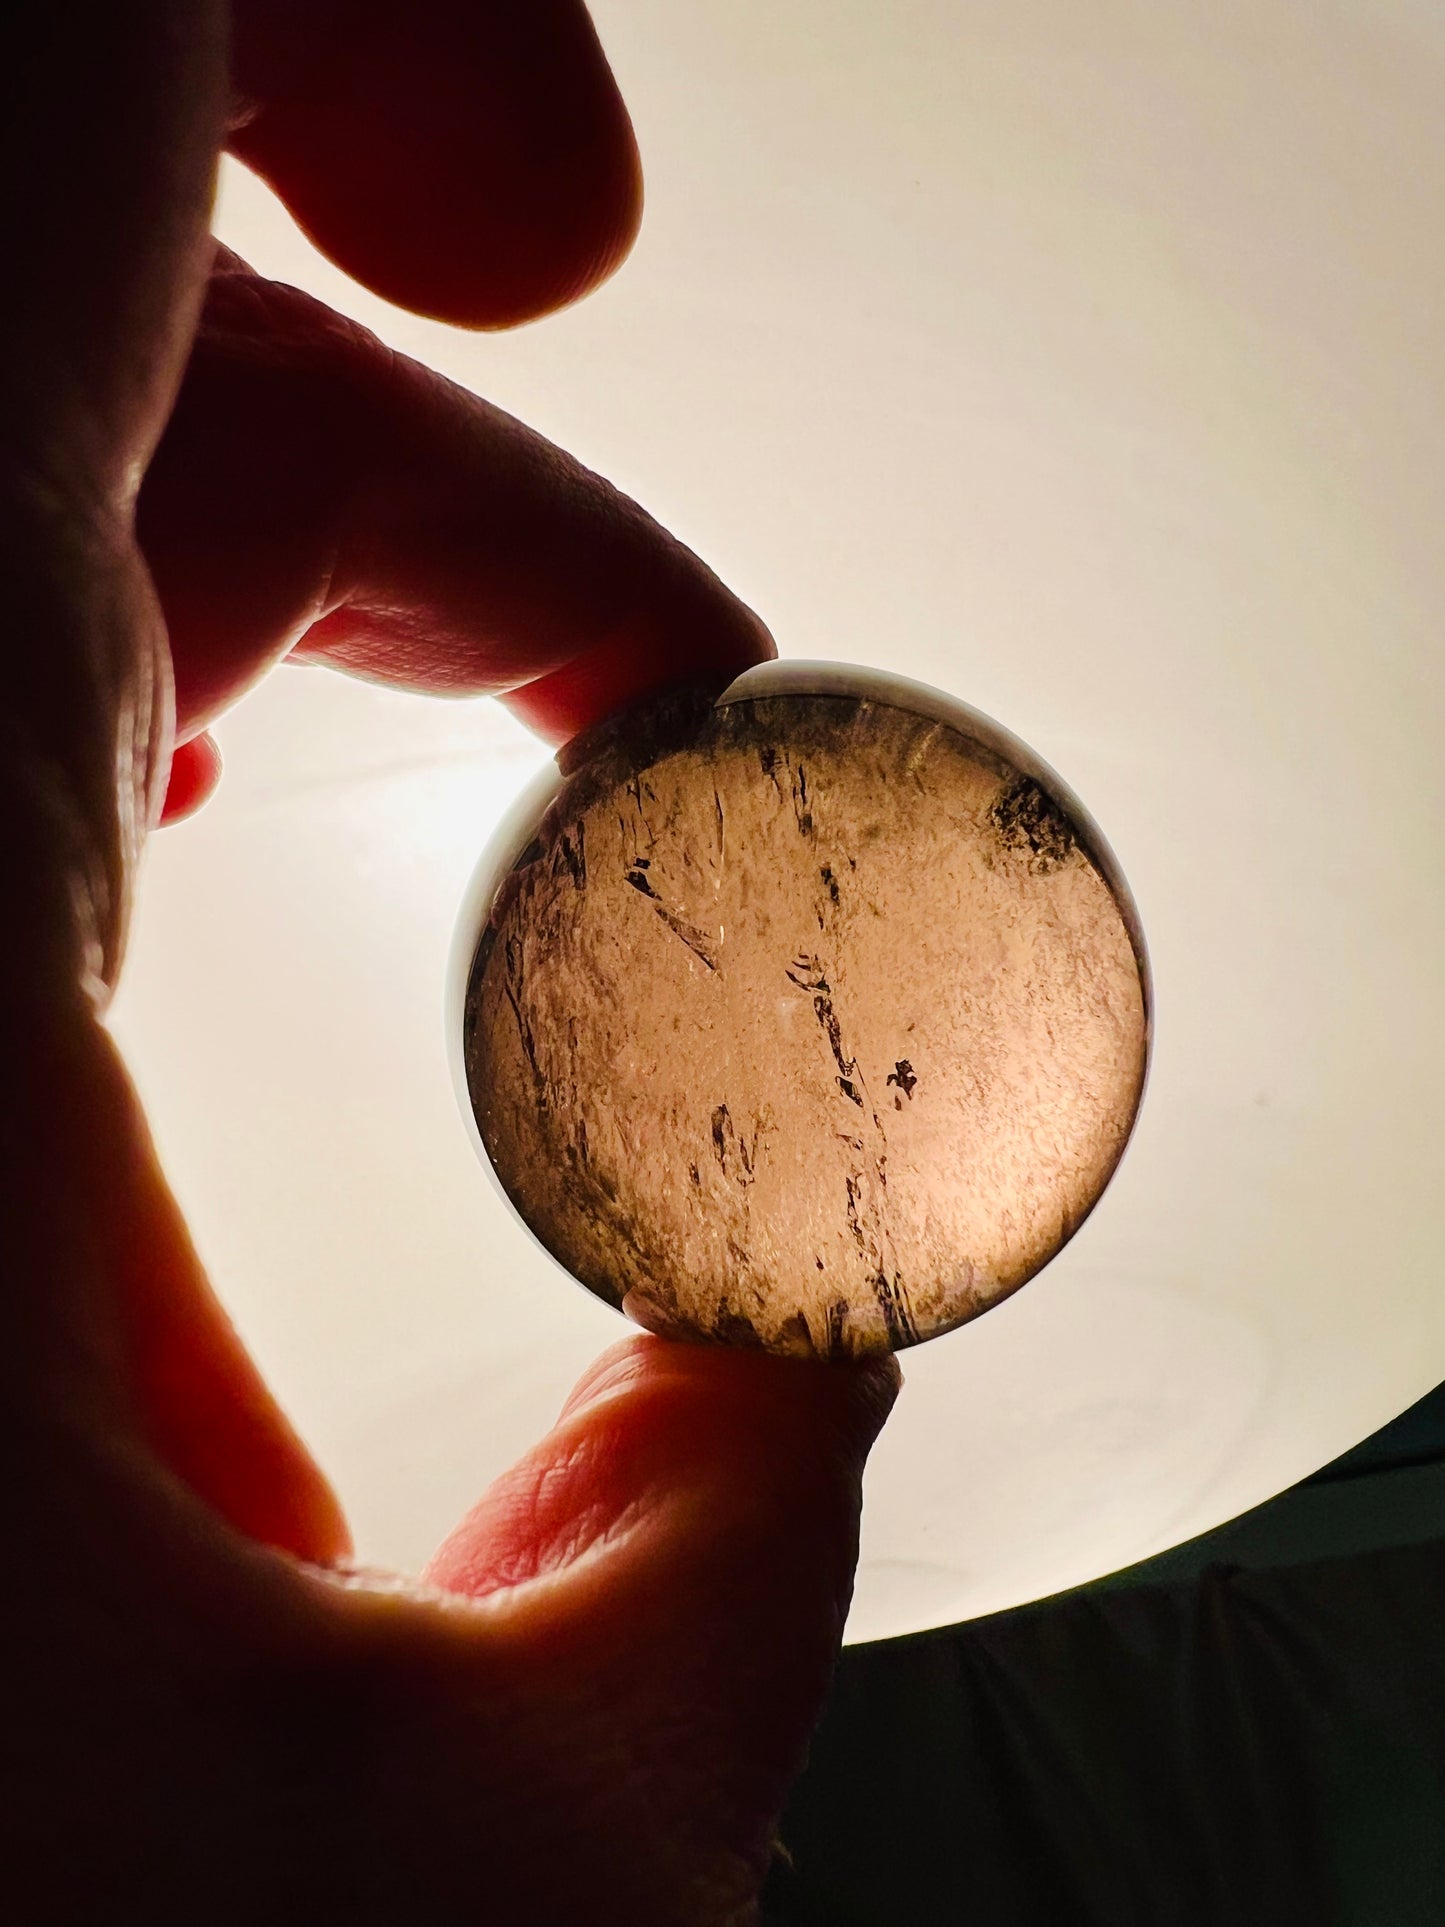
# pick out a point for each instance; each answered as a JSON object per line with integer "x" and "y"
{"x": 592, "y": 1703}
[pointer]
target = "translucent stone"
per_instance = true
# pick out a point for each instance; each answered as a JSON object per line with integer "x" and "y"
{"x": 813, "y": 1016}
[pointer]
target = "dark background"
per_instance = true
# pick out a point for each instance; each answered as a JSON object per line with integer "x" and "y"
{"x": 1249, "y": 1729}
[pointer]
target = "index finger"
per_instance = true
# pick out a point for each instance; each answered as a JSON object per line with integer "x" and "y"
{"x": 468, "y": 159}
{"x": 315, "y": 488}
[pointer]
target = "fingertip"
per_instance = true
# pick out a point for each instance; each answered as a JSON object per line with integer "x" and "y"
{"x": 655, "y": 1419}
{"x": 195, "y": 774}
{"x": 474, "y": 163}
{"x": 851, "y": 1397}
{"x": 676, "y": 1558}
{"x": 611, "y": 1372}
{"x": 713, "y": 641}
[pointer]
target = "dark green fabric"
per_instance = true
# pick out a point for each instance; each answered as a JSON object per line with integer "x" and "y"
{"x": 1249, "y": 1749}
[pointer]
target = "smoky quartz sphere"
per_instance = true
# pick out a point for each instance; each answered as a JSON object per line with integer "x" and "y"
{"x": 813, "y": 1016}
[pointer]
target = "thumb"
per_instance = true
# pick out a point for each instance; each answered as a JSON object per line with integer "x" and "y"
{"x": 678, "y": 1555}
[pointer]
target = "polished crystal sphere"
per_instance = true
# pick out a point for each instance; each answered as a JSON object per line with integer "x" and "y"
{"x": 813, "y": 1016}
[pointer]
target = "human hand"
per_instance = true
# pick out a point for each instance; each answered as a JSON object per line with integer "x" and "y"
{"x": 591, "y": 1705}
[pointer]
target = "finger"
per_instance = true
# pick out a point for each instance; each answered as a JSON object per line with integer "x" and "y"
{"x": 312, "y": 484}
{"x": 469, "y": 159}
{"x": 107, "y": 158}
{"x": 111, "y": 1346}
{"x": 108, "y": 143}
{"x": 195, "y": 772}
{"x": 113, "y": 1338}
{"x": 676, "y": 1560}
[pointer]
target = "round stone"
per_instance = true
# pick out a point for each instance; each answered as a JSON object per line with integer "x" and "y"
{"x": 812, "y": 1016}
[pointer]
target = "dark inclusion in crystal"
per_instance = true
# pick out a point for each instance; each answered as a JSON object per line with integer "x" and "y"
{"x": 810, "y": 1021}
